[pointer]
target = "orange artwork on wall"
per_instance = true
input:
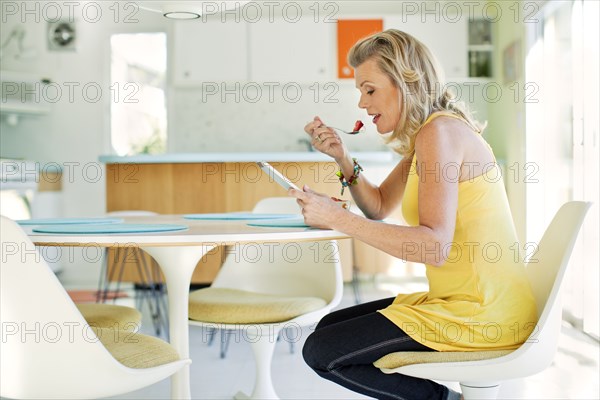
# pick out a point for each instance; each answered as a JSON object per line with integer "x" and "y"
{"x": 349, "y": 31}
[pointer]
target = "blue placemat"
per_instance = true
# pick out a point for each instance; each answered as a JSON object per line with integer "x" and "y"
{"x": 296, "y": 222}
{"x": 109, "y": 228}
{"x": 238, "y": 216}
{"x": 69, "y": 221}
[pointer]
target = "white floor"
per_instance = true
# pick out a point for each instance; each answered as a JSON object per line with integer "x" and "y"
{"x": 573, "y": 375}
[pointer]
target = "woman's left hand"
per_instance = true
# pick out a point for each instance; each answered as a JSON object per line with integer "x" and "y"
{"x": 319, "y": 210}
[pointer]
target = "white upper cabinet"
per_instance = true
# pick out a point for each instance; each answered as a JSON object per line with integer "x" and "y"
{"x": 209, "y": 51}
{"x": 285, "y": 51}
{"x": 447, "y": 38}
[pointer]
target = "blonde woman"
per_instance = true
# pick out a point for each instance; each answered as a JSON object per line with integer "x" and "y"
{"x": 452, "y": 196}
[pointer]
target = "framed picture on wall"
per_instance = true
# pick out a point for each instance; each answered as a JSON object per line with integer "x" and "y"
{"x": 349, "y": 32}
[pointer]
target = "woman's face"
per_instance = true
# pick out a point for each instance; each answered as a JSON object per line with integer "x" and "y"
{"x": 378, "y": 96}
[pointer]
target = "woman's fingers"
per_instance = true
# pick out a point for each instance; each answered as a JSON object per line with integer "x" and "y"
{"x": 323, "y": 133}
{"x": 312, "y": 125}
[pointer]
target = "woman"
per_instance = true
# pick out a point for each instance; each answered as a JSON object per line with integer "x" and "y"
{"x": 453, "y": 197}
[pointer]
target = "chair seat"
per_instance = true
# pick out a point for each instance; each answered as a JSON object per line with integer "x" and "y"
{"x": 111, "y": 316}
{"x": 135, "y": 350}
{"x": 232, "y": 306}
{"x": 403, "y": 358}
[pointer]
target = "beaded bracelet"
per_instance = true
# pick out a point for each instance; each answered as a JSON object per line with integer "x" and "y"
{"x": 353, "y": 180}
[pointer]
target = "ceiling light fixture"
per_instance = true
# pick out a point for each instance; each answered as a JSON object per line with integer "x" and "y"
{"x": 182, "y": 15}
{"x": 182, "y": 10}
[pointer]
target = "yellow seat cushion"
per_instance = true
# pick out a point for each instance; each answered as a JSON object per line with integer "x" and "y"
{"x": 403, "y": 358}
{"x": 232, "y": 306}
{"x": 111, "y": 316}
{"x": 135, "y": 350}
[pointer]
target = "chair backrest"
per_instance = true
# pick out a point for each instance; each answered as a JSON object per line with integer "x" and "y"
{"x": 41, "y": 326}
{"x": 277, "y": 205}
{"x": 131, "y": 213}
{"x": 546, "y": 271}
{"x": 283, "y": 268}
{"x": 547, "y": 267}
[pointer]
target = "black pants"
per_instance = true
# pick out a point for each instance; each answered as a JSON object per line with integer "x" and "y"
{"x": 345, "y": 344}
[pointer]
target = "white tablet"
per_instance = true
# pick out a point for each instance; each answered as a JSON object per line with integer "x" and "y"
{"x": 276, "y": 176}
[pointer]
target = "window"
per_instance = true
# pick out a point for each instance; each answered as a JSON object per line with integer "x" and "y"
{"x": 562, "y": 140}
{"x": 138, "y": 81}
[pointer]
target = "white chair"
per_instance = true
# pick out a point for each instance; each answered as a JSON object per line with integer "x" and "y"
{"x": 47, "y": 348}
{"x": 289, "y": 285}
{"x": 480, "y": 373}
{"x": 268, "y": 205}
{"x": 15, "y": 206}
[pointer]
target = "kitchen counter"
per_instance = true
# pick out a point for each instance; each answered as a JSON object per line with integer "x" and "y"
{"x": 373, "y": 157}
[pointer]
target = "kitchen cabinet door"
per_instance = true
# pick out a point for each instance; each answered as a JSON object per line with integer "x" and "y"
{"x": 284, "y": 51}
{"x": 209, "y": 51}
{"x": 446, "y": 37}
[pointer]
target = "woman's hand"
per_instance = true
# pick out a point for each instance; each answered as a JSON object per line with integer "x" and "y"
{"x": 319, "y": 210}
{"x": 325, "y": 139}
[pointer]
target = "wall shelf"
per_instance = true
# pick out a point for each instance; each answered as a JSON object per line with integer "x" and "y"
{"x": 12, "y": 108}
{"x": 481, "y": 49}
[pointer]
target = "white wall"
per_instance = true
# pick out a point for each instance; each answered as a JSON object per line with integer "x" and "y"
{"x": 76, "y": 130}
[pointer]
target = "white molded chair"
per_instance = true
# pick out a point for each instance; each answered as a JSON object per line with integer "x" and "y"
{"x": 480, "y": 373}
{"x": 15, "y": 206}
{"x": 47, "y": 348}
{"x": 259, "y": 297}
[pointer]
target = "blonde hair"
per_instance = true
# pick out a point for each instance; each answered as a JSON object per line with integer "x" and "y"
{"x": 417, "y": 74}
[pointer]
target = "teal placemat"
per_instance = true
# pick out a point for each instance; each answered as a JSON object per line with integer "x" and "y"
{"x": 109, "y": 228}
{"x": 238, "y": 216}
{"x": 69, "y": 221}
{"x": 297, "y": 222}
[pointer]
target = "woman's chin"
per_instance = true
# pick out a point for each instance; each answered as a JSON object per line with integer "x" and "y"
{"x": 383, "y": 130}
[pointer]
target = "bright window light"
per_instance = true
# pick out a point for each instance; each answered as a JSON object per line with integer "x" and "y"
{"x": 138, "y": 81}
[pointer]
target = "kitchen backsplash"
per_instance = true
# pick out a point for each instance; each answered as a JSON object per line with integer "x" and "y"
{"x": 243, "y": 118}
{"x": 271, "y": 118}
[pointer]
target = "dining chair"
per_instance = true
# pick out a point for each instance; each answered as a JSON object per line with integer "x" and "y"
{"x": 264, "y": 289}
{"x": 480, "y": 373}
{"x": 14, "y": 207}
{"x": 268, "y": 205}
{"x": 48, "y": 350}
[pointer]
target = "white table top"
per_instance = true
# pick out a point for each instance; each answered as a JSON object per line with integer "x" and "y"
{"x": 200, "y": 232}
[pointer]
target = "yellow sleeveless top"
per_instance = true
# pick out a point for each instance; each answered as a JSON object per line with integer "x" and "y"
{"x": 480, "y": 299}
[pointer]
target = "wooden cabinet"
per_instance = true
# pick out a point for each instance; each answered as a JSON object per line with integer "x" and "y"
{"x": 447, "y": 39}
{"x": 208, "y": 51}
{"x": 284, "y": 51}
{"x": 180, "y": 188}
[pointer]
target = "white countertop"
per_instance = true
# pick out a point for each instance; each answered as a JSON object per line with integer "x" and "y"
{"x": 384, "y": 157}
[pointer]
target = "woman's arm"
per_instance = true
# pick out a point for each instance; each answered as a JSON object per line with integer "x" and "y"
{"x": 436, "y": 148}
{"x": 378, "y": 202}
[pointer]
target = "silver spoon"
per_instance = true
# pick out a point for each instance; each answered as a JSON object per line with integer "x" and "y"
{"x": 343, "y": 131}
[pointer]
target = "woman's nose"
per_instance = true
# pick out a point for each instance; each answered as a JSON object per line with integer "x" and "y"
{"x": 361, "y": 102}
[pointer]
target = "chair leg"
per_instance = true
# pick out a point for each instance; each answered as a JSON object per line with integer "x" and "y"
{"x": 225, "y": 337}
{"x": 356, "y": 285}
{"x": 211, "y": 335}
{"x": 480, "y": 391}
{"x": 263, "y": 347}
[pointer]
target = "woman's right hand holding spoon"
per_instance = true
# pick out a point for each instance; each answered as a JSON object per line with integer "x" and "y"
{"x": 325, "y": 139}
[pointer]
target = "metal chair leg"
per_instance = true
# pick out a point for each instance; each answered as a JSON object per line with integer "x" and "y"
{"x": 356, "y": 285}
